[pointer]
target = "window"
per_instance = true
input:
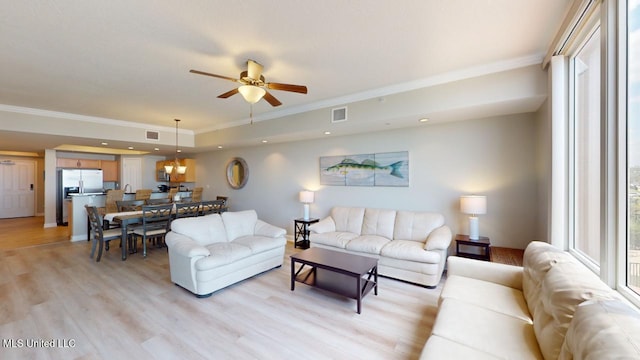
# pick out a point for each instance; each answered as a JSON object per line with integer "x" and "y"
{"x": 586, "y": 148}
{"x": 633, "y": 146}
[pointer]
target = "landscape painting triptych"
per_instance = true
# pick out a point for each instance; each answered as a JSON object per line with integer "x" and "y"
{"x": 382, "y": 169}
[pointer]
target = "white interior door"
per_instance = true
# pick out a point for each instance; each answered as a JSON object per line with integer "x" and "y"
{"x": 131, "y": 173}
{"x": 17, "y": 181}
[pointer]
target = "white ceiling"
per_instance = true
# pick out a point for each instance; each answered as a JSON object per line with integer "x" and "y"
{"x": 130, "y": 60}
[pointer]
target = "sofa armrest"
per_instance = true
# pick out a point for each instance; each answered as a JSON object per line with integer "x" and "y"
{"x": 265, "y": 229}
{"x": 183, "y": 245}
{"x": 439, "y": 239}
{"x": 507, "y": 275}
{"x": 323, "y": 226}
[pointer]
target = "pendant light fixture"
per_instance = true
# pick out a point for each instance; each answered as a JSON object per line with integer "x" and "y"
{"x": 176, "y": 164}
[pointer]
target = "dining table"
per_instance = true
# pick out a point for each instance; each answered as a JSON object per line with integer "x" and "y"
{"x": 125, "y": 219}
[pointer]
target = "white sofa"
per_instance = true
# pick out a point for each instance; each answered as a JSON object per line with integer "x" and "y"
{"x": 207, "y": 253}
{"x": 551, "y": 308}
{"x": 410, "y": 246}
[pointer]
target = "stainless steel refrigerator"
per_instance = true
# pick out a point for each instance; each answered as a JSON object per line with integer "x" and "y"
{"x": 71, "y": 182}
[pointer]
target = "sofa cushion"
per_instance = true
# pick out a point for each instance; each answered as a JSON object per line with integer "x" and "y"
{"x": 371, "y": 244}
{"x": 379, "y": 222}
{"x": 496, "y": 297}
{"x": 564, "y": 287}
{"x": 409, "y": 250}
{"x": 239, "y": 223}
{"x": 204, "y": 230}
{"x": 538, "y": 258}
{"x": 325, "y": 225}
{"x": 486, "y": 331}
{"x": 258, "y": 244}
{"x": 416, "y": 226}
{"x": 348, "y": 219}
{"x": 335, "y": 239}
{"x": 603, "y": 329}
{"x": 222, "y": 254}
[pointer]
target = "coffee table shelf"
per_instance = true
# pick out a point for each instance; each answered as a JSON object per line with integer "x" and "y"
{"x": 334, "y": 282}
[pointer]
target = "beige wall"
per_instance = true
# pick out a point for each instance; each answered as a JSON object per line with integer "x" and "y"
{"x": 494, "y": 156}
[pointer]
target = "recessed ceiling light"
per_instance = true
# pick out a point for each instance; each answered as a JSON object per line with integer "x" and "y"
{"x": 327, "y": 132}
{"x": 423, "y": 120}
{"x": 219, "y": 146}
{"x": 179, "y": 150}
{"x": 156, "y": 149}
{"x": 265, "y": 141}
{"x": 130, "y": 148}
{"x": 104, "y": 143}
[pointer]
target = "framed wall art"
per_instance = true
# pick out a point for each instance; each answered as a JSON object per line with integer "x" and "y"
{"x": 380, "y": 169}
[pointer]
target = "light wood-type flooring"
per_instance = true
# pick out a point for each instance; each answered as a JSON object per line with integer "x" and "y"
{"x": 29, "y": 231}
{"x": 131, "y": 310}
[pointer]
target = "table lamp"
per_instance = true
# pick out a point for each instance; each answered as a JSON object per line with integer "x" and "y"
{"x": 473, "y": 205}
{"x": 306, "y": 197}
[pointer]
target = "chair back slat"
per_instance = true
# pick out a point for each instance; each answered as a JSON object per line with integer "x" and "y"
{"x": 129, "y": 205}
{"x": 211, "y": 207}
{"x": 187, "y": 209}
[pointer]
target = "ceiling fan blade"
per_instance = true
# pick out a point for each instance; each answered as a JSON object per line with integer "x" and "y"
{"x": 214, "y": 75}
{"x": 228, "y": 93}
{"x": 271, "y": 99}
{"x": 254, "y": 70}
{"x": 287, "y": 87}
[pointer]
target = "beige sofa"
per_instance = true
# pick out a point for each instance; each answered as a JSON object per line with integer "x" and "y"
{"x": 411, "y": 246}
{"x": 207, "y": 253}
{"x": 551, "y": 308}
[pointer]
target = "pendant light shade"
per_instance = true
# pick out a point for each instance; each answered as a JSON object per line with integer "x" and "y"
{"x": 252, "y": 94}
{"x": 176, "y": 163}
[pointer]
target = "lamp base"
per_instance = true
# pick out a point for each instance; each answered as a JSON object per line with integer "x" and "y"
{"x": 306, "y": 212}
{"x": 473, "y": 228}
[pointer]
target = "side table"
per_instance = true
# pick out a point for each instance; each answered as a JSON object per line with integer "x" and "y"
{"x": 301, "y": 230}
{"x": 482, "y": 242}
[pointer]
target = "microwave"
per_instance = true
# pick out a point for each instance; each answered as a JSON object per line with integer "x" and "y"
{"x": 162, "y": 175}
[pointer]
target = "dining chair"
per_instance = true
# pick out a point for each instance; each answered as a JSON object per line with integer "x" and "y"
{"x": 172, "y": 193}
{"x": 110, "y": 206}
{"x": 98, "y": 234}
{"x": 143, "y": 194}
{"x": 155, "y": 225}
{"x": 160, "y": 201}
{"x": 224, "y": 199}
{"x": 196, "y": 194}
{"x": 129, "y": 205}
{"x": 211, "y": 207}
{"x": 189, "y": 209}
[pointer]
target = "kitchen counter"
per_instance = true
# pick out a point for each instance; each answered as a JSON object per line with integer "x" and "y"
{"x": 78, "y": 221}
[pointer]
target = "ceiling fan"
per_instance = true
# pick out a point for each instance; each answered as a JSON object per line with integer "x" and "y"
{"x": 254, "y": 87}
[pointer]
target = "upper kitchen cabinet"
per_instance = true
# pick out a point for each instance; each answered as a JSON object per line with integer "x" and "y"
{"x": 78, "y": 163}
{"x": 109, "y": 170}
{"x": 189, "y": 176}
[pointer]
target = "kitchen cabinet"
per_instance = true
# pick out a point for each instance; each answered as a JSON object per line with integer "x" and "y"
{"x": 109, "y": 170}
{"x": 189, "y": 176}
{"x": 78, "y": 163}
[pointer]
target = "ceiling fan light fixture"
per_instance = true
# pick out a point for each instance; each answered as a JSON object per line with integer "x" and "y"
{"x": 168, "y": 169}
{"x": 251, "y": 93}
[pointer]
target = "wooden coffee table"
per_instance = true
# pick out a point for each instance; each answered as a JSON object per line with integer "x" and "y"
{"x": 338, "y": 272}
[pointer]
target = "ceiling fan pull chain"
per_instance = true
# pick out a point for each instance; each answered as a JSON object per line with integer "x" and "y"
{"x": 251, "y": 113}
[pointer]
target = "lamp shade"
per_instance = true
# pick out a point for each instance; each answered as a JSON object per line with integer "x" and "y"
{"x": 252, "y": 94}
{"x": 306, "y": 196}
{"x": 473, "y": 204}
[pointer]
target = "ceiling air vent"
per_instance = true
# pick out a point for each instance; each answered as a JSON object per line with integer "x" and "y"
{"x": 152, "y": 135}
{"x": 339, "y": 114}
